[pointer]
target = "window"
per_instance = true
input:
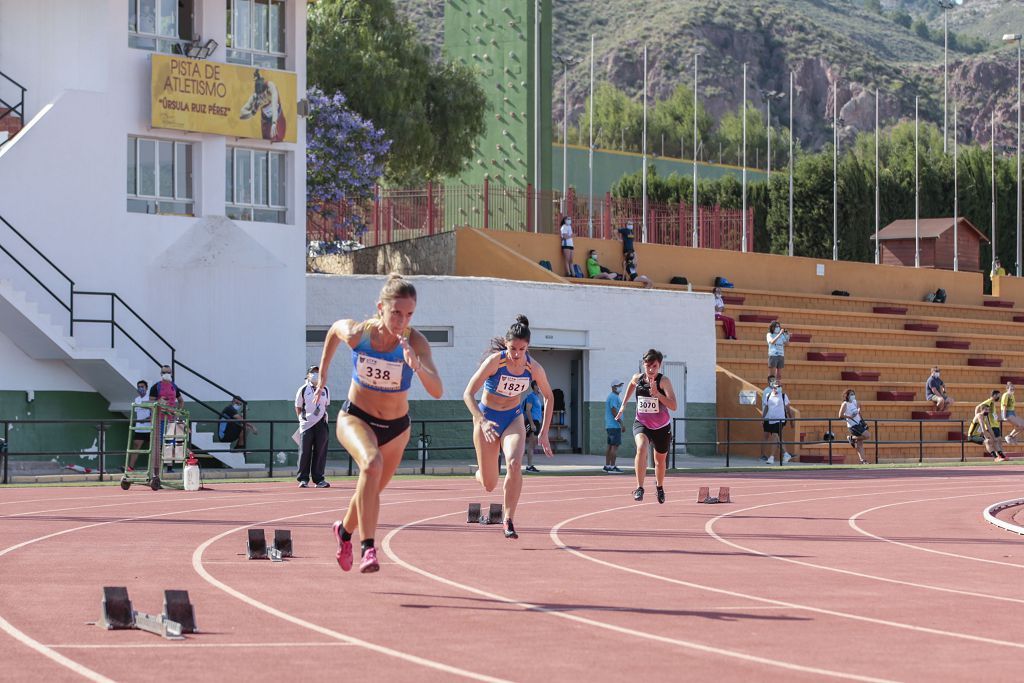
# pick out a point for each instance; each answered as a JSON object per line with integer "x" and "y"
{"x": 159, "y": 176}
{"x": 316, "y": 335}
{"x": 160, "y": 25}
{"x": 254, "y": 185}
{"x": 256, "y": 32}
{"x": 437, "y": 336}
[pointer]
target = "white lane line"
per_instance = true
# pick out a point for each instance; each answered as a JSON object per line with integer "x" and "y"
{"x": 386, "y": 545}
{"x": 856, "y": 527}
{"x": 189, "y": 646}
{"x": 709, "y": 528}
{"x": 757, "y": 598}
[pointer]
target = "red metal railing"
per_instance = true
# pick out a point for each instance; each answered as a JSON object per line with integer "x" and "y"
{"x": 399, "y": 214}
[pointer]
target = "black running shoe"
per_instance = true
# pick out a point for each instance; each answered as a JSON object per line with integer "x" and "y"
{"x": 510, "y": 531}
{"x": 661, "y": 495}
{"x": 638, "y": 494}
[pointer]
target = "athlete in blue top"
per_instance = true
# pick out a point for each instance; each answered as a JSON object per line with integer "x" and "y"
{"x": 373, "y": 425}
{"x": 498, "y": 418}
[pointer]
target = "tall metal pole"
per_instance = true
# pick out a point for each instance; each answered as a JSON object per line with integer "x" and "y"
{"x": 696, "y": 236}
{"x": 537, "y": 180}
{"x": 769, "y": 150}
{"x": 956, "y": 194}
{"x": 643, "y": 231}
{"x": 743, "y": 115}
{"x": 791, "y": 79}
{"x": 835, "y": 171}
{"x": 565, "y": 133}
{"x": 1018, "y": 160}
{"x": 917, "y": 188}
{"x": 945, "y": 74}
{"x": 993, "y": 219}
{"x": 590, "y": 149}
{"x": 878, "y": 250}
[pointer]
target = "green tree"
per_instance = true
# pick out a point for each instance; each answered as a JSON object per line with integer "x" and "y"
{"x": 673, "y": 119}
{"x": 730, "y": 134}
{"x": 618, "y": 120}
{"x": 432, "y": 111}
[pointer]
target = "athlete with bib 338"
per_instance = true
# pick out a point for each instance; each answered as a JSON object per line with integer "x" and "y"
{"x": 654, "y": 398}
{"x": 373, "y": 424}
{"x": 498, "y": 424}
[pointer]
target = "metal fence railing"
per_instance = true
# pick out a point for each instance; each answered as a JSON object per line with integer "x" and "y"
{"x": 28, "y": 439}
{"x": 733, "y": 434}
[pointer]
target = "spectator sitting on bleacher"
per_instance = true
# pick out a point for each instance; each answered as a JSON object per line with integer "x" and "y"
{"x": 596, "y": 270}
{"x": 565, "y": 231}
{"x": 981, "y": 432}
{"x": 935, "y": 391}
{"x": 728, "y": 324}
{"x": 1009, "y": 407}
{"x": 777, "y": 339}
{"x": 632, "y": 275}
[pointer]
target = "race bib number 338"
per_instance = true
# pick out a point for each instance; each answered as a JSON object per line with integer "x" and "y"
{"x": 512, "y": 386}
{"x": 647, "y": 405}
{"x": 379, "y": 374}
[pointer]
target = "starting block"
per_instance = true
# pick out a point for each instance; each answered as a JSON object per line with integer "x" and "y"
{"x": 178, "y": 616}
{"x": 476, "y": 516}
{"x": 704, "y": 495}
{"x": 256, "y": 545}
{"x": 283, "y": 542}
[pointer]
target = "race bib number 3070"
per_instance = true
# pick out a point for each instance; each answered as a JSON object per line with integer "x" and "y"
{"x": 379, "y": 374}
{"x": 647, "y": 405}
{"x": 512, "y": 386}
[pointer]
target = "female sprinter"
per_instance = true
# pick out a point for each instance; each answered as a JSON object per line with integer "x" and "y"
{"x": 654, "y": 398}
{"x": 373, "y": 424}
{"x": 505, "y": 376}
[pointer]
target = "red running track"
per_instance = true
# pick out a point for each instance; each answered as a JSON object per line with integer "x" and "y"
{"x": 870, "y": 575}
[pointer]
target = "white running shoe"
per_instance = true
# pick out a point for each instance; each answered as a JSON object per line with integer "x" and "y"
{"x": 786, "y": 457}
{"x": 770, "y": 461}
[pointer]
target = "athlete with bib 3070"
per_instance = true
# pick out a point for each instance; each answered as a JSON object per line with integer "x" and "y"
{"x": 373, "y": 424}
{"x": 505, "y": 376}
{"x": 654, "y": 398}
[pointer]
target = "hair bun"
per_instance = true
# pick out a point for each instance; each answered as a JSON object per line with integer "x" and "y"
{"x": 523, "y": 320}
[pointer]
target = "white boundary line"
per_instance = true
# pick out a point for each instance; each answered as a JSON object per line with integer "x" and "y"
{"x": 990, "y": 517}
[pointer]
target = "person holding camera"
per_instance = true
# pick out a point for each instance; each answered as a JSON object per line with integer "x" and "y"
{"x": 850, "y": 410}
{"x": 777, "y": 338}
{"x": 982, "y": 431}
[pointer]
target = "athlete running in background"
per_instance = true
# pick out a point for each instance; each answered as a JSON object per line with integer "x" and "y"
{"x": 373, "y": 425}
{"x": 653, "y": 426}
{"x": 505, "y": 376}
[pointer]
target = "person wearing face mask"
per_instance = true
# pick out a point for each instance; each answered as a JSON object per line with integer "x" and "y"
{"x": 777, "y": 339}
{"x": 565, "y": 231}
{"x": 774, "y": 412}
{"x": 143, "y": 424}
{"x": 312, "y": 414}
{"x": 164, "y": 393}
{"x": 655, "y": 397}
{"x": 232, "y": 428}
{"x": 498, "y": 426}
{"x": 935, "y": 391}
{"x": 850, "y": 410}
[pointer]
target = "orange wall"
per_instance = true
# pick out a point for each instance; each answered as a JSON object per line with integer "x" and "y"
{"x": 478, "y": 254}
{"x": 728, "y": 387}
{"x": 756, "y": 271}
{"x": 1010, "y": 288}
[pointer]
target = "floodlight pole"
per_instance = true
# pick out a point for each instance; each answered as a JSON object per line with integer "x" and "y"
{"x": 917, "y": 187}
{"x": 835, "y": 171}
{"x": 792, "y": 77}
{"x": 590, "y": 148}
{"x": 743, "y": 115}
{"x": 696, "y": 232}
{"x": 956, "y": 195}
{"x": 878, "y": 250}
{"x": 644, "y": 184}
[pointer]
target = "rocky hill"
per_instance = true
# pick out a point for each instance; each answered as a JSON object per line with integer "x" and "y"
{"x": 847, "y": 44}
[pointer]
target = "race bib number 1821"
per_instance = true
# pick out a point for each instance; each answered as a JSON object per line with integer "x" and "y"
{"x": 379, "y": 374}
{"x": 512, "y": 386}
{"x": 647, "y": 405}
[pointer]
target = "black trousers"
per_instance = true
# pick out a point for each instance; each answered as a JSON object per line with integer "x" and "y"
{"x": 313, "y": 459}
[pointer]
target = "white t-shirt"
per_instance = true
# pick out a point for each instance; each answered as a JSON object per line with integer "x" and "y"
{"x": 852, "y": 413}
{"x": 566, "y": 233}
{"x": 314, "y": 412}
{"x": 143, "y": 416}
{"x": 774, "y": 407}
{"x": 719, "y": 303}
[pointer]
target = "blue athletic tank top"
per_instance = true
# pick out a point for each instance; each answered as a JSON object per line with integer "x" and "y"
{"x": 384, "y": 371}
{"x": 504, "y": 383}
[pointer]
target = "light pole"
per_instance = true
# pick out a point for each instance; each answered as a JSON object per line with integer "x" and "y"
{"x": 917, "y": 188}
{"x": 590, "y": 149}
{"x": 878, "y": 221}
{"x": 792, "y": 78}
{"x": 567, "y": 61}
{"x": 696, "y": 232}
{"x": 993, "y": 219}
{"x": 946, "y": 5}
{"x": 743, "y": 115}
{"x": 835, "y": 171}
{"x": 1010, "y": 38}
{"x": 770, "y": 95}
{"x": 643, "y": 222}
{"x": 537, "y": 179}
{"x": 956, "y": 194}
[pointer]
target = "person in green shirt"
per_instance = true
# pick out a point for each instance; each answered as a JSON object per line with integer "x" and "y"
{"x": 596, "y": 270}
{"x": 1009, "y": 406}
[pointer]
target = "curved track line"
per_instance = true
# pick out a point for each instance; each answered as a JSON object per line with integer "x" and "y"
{"x": 852, "y": 521}
{"x": 987, "y": 513}
{"x": 780, "y": 603}
{"x": 709, "y": 528}
{"x": 386, "y": 545}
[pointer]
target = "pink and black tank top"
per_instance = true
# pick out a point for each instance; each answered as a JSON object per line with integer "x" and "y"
{"x": 650, "y": 411}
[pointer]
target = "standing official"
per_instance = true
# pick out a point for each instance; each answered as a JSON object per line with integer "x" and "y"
{"x": 312, "y": 413}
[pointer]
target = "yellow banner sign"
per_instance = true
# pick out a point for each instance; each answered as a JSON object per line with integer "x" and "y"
{"x": 227, "y": 99}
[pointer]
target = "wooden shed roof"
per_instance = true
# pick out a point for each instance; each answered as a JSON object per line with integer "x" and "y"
{"x": 930, "y": 228}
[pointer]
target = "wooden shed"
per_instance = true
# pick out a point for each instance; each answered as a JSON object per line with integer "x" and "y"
{"x": 936, "y": 237}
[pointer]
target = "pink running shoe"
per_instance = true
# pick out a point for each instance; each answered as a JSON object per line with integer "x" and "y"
{"x": 344, "y": 549}
{"x": 369, "y": 563}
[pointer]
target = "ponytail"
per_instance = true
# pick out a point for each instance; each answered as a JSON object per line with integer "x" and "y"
{"x": 520, "y": 329}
